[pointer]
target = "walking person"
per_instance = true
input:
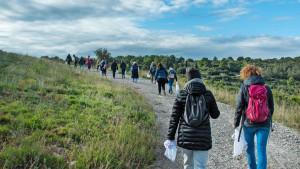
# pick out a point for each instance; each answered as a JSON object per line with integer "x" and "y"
{"x": 134, "y": 72}
{"x": 86, "y": 61}
{"x": 172, "y": 76}
{"x": 98, "y": 64}
{"x": 89, "y": 64}
{"x": 103, "y": 67}
{"x": 161, "y": 78}
{"x": 75, "y": 60}
{"x": 69, "y": 59}
{"x": 255, "y": 106}
{"x": 194, "y": 134}
{"x": 123, "y": 67}
{"x": 81, "y": 63}
{"x": 114, "y": 68}
{"x": 152, "y": 71}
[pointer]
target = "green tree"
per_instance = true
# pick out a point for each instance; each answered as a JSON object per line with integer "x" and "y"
{"x": 102, "y": 53}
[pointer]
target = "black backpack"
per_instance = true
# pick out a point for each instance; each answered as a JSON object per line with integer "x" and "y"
{"x": 195, "y": 110}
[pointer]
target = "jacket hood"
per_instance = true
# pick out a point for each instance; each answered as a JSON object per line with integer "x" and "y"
{"x": 254, "y": 79}
{"x": 195, "y": 87}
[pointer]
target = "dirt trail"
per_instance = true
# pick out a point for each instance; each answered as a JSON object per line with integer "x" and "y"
{"x": 283, "y": 148}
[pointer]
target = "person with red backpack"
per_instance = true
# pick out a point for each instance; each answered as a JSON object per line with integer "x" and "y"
{"x": 191, "y": 113}
{"x": 255, "y": 106}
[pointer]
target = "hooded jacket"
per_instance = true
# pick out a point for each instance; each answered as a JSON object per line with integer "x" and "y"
{"x": 243, "y": 99}
{"x": 123, "y": 66}
{"x": 114, "y": 66}
{"x": 189, "y": 137}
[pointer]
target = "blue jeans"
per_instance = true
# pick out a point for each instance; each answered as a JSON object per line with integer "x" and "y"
{"x": 194, "y": 159}
{"x": 134, "y": 80}
{"x": 262, "y": 134}
{"x": 82, "y": 67}
{"x": 171, "y": 81}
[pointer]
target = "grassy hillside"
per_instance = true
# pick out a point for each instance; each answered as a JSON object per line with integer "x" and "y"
{"x": 55, "y": 116}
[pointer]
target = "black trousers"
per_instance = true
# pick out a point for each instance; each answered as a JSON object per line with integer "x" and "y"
{"x": 114, "y": 73}
{"x": 123, "y": 73}
{"x": 161, "y": 84}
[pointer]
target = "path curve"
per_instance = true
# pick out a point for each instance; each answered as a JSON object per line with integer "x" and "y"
{"x": 283, "y": 148}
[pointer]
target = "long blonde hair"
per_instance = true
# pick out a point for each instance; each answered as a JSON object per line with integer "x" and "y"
{"x": 250, "y": 70}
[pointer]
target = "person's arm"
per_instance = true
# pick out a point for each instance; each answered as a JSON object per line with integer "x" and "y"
{"x": 270, "y": 100}
{"x": 177, "y": 111}
{"x": 212, "y": 106}
{"x": 240, "y": 106}
{"x": 156, "y": 74}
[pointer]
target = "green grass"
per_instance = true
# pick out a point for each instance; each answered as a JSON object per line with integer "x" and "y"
{"x": 52, "y": 115}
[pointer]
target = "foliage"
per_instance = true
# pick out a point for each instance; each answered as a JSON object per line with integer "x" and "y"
{"x": 102, "y": 53}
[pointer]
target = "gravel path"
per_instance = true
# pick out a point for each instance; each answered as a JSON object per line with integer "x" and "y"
{"x": 283, "y": 148}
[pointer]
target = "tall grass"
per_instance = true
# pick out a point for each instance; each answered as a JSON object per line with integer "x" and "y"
{"x": 56, "y": 116}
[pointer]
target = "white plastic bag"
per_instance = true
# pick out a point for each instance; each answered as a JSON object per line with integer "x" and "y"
{"x": 171, "y": 150}
{"x": 148, "y": 75}
{"x": 238, "y": 146}
{"x": 177, "y": 88}
{"x": 117, "y": 72}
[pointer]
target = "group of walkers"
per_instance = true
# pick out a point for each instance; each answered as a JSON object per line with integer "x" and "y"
{"x": 195, "y": 105}
{"x": 161, "y": 76}
{"x": 88, "y": 62}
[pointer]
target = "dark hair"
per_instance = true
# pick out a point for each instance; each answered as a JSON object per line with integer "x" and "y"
{"x": 159, "y": 65}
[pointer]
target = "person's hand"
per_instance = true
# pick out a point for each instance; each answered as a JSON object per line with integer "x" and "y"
{"x": 234, "y": 126}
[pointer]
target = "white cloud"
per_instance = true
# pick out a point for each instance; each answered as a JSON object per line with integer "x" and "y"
{"x": 284, "y": 18}
{"x": 53, "y": 27}
{"x": 230, "y": 14}
{"x": 204, "y": 28}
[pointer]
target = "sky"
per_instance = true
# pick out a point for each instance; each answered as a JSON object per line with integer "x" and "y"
{"x": 187, "y": 28}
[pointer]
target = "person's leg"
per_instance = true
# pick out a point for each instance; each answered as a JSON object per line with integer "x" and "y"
{"x": 163, "y": 86}
{"x": 114, "y": 74}
{"x": 188, "y": 160}
{"x": 249, "y": 133}
{"x": 200, "y": 159}
{"x": 262, "y": 135}
{"x": 159, "y": 86}
{"x": 171, "y": 81}
{"x": 151, "y": 77}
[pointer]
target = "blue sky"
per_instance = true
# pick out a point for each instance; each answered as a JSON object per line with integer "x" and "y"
{"x": 188, "y": 28}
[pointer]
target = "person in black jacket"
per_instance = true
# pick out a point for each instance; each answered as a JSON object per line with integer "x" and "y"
{"x": 252, "y": 76}
{"x": 123, "y": 67}
{"x": 114, "y": 68}
{"x": 195, "y": 142}
{"x": 69, "y": 59}
{"x": 82, "y": 62}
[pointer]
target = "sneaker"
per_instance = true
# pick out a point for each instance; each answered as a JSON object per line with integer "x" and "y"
{"x": 159, "y": 94}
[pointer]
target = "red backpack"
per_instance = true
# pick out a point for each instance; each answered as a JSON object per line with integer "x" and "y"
{"x": 257, "y": 107}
